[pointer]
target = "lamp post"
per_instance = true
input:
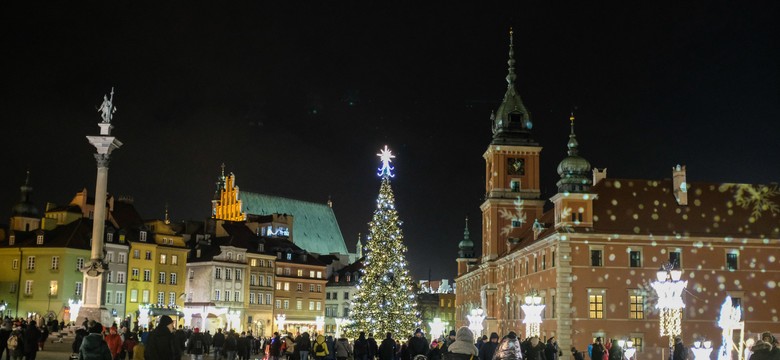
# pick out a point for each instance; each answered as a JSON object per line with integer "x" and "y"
{"x": 280, "y": 318}
{"x": 437, "y": 327}
{"x": 476, "y": 317}
{"x": 533, "y": 314}
{"x": 669, "y": 288}
{"x": 702, "y": 350}
{"x": 629, "y": 350}
{"x": 731, "y": 319}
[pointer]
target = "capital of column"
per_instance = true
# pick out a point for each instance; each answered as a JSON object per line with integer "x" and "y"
{"x": 102, "y": 160}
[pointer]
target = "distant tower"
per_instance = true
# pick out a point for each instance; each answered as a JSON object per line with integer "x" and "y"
{"x": 359, "y": 248}
{"x": 26, "y": 216}
{"x": 465, "y": 251}
{"x": 93, "y": 272}
{"x": 574, "y": 202}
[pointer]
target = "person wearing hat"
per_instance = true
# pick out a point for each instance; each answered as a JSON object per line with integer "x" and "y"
{"x": 196, "y": 345}
{"x": 488, "y": 349}
{"x": 597, "y": 350}
{"x": 160, "y": 344}
{"x": 680, "y": 351}
{"x": 31, "y": 337}
{"x": 418, "y": 344}
{"x": 448, "y": 341}
{"x": 93, "y": 347}
{"x": 463, "y": 347}
{"x": 509, "y": 348}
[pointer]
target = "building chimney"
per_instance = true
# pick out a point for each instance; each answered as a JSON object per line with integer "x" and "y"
{"x": 599, "y": 175}
{"x": 680, "y": 186}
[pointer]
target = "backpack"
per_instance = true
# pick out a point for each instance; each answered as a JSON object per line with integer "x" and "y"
{"x": 12, "y": 342}
{"x": 231, "y": 340}
{"x": 319, "y": 348}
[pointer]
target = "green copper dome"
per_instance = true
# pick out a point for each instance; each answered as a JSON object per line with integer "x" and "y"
{"x": 574, "y": 169}
{"x": 25, "y": 207}
{"x": 466, "y": 246}
{"x": 512, "y": 122}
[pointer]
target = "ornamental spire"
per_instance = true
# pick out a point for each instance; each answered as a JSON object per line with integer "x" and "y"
{"x": 510, "y": 77}
{"x": 386, "y": 156}
{"x": 572, "y": 145}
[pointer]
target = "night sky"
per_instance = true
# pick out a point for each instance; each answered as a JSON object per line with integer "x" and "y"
{"x": 297, "y": 99}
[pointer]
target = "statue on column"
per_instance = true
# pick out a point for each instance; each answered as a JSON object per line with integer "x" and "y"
{"x": 107, "y": 108}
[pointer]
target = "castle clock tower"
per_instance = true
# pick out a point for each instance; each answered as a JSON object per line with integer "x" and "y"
{"x": 512, "y": 190}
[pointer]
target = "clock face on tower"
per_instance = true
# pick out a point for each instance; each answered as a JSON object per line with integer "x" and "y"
{"x": 515, "y": 166}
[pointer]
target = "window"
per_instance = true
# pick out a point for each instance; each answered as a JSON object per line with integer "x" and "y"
{"x": 110, "y": 256}
{"x": 228, "y": 274}
{"x": 120, "y": 297}
{"x": 311, "y": 287}
{"x": 163, "y": 259}
{"x": 286, "y": 286}
{"x": 526, "y": 267}
{"x": 319, "y": 274}
{"x": 278, "y": 285}
{"x": 270, "y": 280}
{"x": 636, "y": 307}
{"x": 15, "y": 264}
{"x": 238, "y": 274}
{"x": 299, "y": 287}
{"x": 279, "y": 271}
{"x": 191, "y": 274}
{"x": 160, "y": 298}
{"x": 262, "y": 262}
{"x": 287, "y": 271}
{"x": 239, "y": 257}
{"x": 134, "y": 274}
{"x": 161, "y": 278}
{"x": 53, "y": 288}
{"x": 346, "y": 296}
{"x": 142, "y": 236}
{"x": 253, "y": 263}
{"x": 553, "y": 258}
{"x": 120, "y": 277}
{"x": 595, "y": 306}
{"x": 732, "y": 261}
{"x": 596, "y": 257}
{"x": 346, "y": 311}
{"x": 39, "y": 240}
{"x": 147, "y": 275}
{"x": 109, "y": 276}
{"x": 108, "y": 297}
{"x": 311, "y": 273}
{"x": 252, "y": 279}
{"x": 218, "y": 273}
{"x": 552, "y": 307}
{"x": 289, "y": 256}
{"x": 145, "y": 296}
{"x": 230, "y": 256}
{"x": 148, "y": 255}
{"x": 536, "y": 264}
{"x": 335, "y": 296}
{"x": 133, "y": 295}
{"x": 174, "y": 259}
{"x": 122, "y": 258}
{"x": 299, "y": 304}
{"x": 136, "y": 254}
{"x": 12, "y": 240}
{"x": 268, "y": 299}
{"x": 516, "y": 223}
{"x": 319, "y": 306}
{"x": 576, "y": 217}
{"x": 286, "y": 304}
{"x": 311, "y": 305}
{"x": 55, "y": 262}
{"x": 171, "y": 298}
{"x": 544, "y": 261}
{"x": 300, "y": 272}
{"x": 327, "y": 296}
{"x": 251, "y": 298}
{"x": 637, "y": 342}
{"x": 31, "y": 263}
{"x": 514, "y": 185}
{"x": 675, "y": 258}
{"x": 216, "y": 295}
{"x": 173, "y": 279}
{"x": 278, "y": 304}
{"x": 635, "y": 258}
{"x": 319, "y": 288}
{"x": 79, "y": 286}
{"x": 227, "y": 295}
{"x": 28, "y": 287}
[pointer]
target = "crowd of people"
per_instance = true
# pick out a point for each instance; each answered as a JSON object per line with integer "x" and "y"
{"x": 23, "y": 339}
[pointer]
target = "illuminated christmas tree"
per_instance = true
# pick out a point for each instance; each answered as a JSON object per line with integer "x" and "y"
{"x": 385, "y": 300}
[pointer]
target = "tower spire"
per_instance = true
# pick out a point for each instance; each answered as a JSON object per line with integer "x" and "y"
{"x": 511, "y": 76}
{"x": 573, "y": 144}
{"x": 466, "y": 246}
{"x": 574, "y": 169}
{"x": 167, "y": 217}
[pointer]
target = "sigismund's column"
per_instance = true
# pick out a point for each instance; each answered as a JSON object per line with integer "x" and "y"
{"x": 92, "y": 298}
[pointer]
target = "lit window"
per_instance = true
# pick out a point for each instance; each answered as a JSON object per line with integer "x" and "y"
{"x": 39, "y": 240}
{"x": 53, "y": 288}
{"x": 319, "y": 274}
{"x": 134, "y": 274}
{"x": 298, "y": 304}
{"x": 278, "y": 285}
{"x": 596, "y": 306}
{"x": 638, "y": 342}
{"x": 133, "y": 295}
{"x": 311, "y": 305}
{"x": 163, "y": 259}
{"x": 636, "y": 305}
{"x": 174, "y": 260}
{"x": 252, "y": 262}
{"x": 319, "y": 306}
{"x": 286, "y": 286}
{"x": 145, "y": 296}
{"x": 136, "y": 254}
{"x": 286, "y": 304}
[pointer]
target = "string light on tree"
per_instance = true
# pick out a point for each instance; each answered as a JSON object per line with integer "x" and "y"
{"x": 384, "y": 301}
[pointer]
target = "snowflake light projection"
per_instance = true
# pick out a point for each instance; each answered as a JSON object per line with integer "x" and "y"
{"x": 758, "y": 197}
{"x": 516, "y": 217}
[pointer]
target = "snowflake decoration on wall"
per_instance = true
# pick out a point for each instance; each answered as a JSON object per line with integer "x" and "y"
{"x": 516, "y": 217}
{"x": 759, "y": 197}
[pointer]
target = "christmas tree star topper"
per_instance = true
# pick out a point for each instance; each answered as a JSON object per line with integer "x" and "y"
{"x": 386, "y": 155}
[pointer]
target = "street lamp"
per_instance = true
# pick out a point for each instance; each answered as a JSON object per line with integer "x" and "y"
{"x": 437, "y": 327}
{"x": 533, "y": 314}
{"x": 476, "y": 317}
{"x": 74, "y": 306}
{"x": 730, "y": 320}
{"x": 701, "y": 350}
{"x": 280, "y": 318}
{"x": 669, "y": 288}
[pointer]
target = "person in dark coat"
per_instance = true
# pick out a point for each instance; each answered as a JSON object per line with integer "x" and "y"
{"x": 551, "y": 350}
{"x": 387, "y": 349}
{"x": 31, "y": 337}
{"x": 5, "y": 334}
{"x": 196, "y": 345}
{"x": 576, "y": 354}
{"x": 615, "y": 352}
{"x": 243, "y": 347}
{"x": 488, "y": 349}
{"x": 360, "y": 348}
{"x": 218, "y": 342}
{"x": 418, "y": 344}
{"x": 161, "y": 344}
{"x": 680, "y": 350}
{"x": 93, "y": 347}
{"x": 275, "y": 349}
{"x": 535, "y": 350}
{"x": 373, "y": 347}
{"x": 598, "y": 350}
{"x": 761, "y": 351}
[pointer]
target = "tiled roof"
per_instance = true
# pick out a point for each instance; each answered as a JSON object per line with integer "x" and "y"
{"x": 315, "y": 228}
{"x": 74, "y": 235}
{"x": 626, "y": 206}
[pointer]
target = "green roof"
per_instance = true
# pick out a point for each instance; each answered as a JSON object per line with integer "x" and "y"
{"x": 315, "y": 228}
